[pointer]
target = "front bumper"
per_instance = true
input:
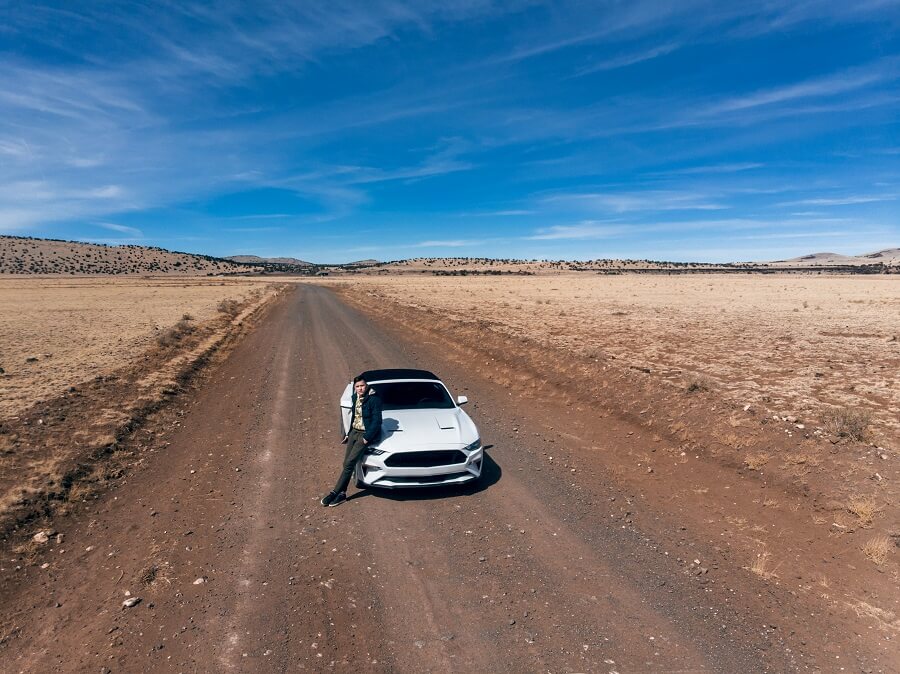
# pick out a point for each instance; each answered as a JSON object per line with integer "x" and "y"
{"x": 378, "y": 471}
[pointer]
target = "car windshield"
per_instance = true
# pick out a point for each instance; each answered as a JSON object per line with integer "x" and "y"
{"x": 413, "y": 395}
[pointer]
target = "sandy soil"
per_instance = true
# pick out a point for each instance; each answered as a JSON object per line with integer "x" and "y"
{"x": 77, "y": 329}
{"x": 795, "y": 346}
{"x": 594, "y": 543}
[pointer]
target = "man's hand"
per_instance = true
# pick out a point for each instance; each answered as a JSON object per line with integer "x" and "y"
{"x": 365, "y": 442}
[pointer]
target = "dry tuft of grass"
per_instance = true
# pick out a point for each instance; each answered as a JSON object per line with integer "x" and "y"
{"x": 756, "y": 460}
{"x": 176, "y": 333}
{"x": 761, "y": 566}
{"x": 732, "y": 440}
{"x": 864, "y": 508}
{"x": 876, "y": 549}
{"x": 848, "y": 423}
{"x": 229, "y": 307}
{"x": 697, "y": 384}
{"x": 801, "y": 460}
{"x": 148, "y": 574}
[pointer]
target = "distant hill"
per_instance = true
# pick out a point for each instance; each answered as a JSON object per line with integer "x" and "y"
{"x": 255, "y": 259}
{"x": 30, "y": 256}
{"x": 361, "y": 263}
{"x": 888, "y": 256}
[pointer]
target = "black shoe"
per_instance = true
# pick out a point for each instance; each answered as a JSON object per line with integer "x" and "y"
{"x": 337, "y": 499}
{"x": 328, "y": 498}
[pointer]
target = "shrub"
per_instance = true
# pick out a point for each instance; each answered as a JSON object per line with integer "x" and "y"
{"x": 864, "y": 508}
{"x": 175, "y": 334}
{"x": 756, "y": 460}
{"x": 876, "y": 549}
{"x": 848, "y": 423}
{"x": 229, "y": 307}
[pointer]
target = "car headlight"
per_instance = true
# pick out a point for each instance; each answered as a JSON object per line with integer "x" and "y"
{"x": 376, "y": 452}
{"x": 471, "y": 447}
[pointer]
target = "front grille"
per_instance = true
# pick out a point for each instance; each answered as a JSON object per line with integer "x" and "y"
{"x": 423, "y": 479}
{"x": 425, "y": 459}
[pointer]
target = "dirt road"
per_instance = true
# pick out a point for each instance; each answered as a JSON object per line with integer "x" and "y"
{"x": 238, "y": 568}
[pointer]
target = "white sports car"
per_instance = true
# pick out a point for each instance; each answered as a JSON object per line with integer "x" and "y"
{"x": 426, "y": 440}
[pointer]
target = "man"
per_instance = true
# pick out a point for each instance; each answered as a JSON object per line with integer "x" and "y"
{"x": 365, "y": 429}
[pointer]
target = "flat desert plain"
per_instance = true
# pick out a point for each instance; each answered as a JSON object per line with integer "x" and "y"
{"x": 797, "y": 346}
{"x": 55, "y": 333}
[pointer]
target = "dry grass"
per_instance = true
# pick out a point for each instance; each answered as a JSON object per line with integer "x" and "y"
{"x": 877, "y": 549}
{"x": 801, "y": 460}
{"x": 697, "y": 384}
{"x": 148, "y": 574}
{"x": 848, "y": 423}
{"x": 176, "y": 334}
{"x": 738, "y": 331}
{"x": 756, "y": 460}
{"x": 77, "y": 329}
{"x": 762, "y": 566}
{"x": 864, "y": 508}
{"x": 229, "y": 307}
{"x": 732, "y": 440}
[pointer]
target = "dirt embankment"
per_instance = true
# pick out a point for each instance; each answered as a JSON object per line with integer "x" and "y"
{"x": 63, "y": 449}
{"x": 814, "y": 515}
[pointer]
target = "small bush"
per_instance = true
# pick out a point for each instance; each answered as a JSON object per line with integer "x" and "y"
{"x": 175, "y": 334}
{"x": 848, "y": 423}
{"x": 876, "y": 549}
{"x": 756, "y": 461}
{"x": 761, "y": 566}
{"x": 698, "y": 383}
{"x": 864, "y": 508}
{"x": 229, "y": 307}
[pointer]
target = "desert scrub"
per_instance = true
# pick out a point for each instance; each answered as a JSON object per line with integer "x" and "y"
{"x": 698, "y": 383}
{"x": 229, "y": 307}
{"x": 761, "y": 566}
{"x": 756, "y": 460}
{"x": 876, "y": 549}
{"x": 864, "y": 508}
{"x": 176, "y": 333}
{"x": 848, "y": 423}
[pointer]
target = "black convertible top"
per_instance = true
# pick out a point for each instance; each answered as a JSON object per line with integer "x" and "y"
{"x": 397, "y": 373}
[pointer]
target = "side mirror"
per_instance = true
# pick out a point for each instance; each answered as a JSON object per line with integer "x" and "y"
{"x": 462, "y": 400}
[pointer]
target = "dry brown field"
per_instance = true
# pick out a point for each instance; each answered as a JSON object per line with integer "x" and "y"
{"x": 56, "y": 333}
{"x": 798, "y": 346}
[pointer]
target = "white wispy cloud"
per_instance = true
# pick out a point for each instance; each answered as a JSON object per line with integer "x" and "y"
{"x": 848, "y": 200}
{"x": 123, "y": 229}
{"x": 831, "y": 85}
{"x": 711, "y": 169}
{"x": 624, "y": 60}
{"x": 503, "y": 213}
{"x": 260, "y": 216}
{"x": 644, "y": 200}
{"x": 588, "y": 229}
{"x": 446, "y": 243}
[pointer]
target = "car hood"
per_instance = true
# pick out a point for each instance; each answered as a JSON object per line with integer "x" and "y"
{"x": 408, "y": 430}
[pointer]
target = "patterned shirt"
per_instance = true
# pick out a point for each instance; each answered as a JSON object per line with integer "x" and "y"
{"x": 357, "y": 415}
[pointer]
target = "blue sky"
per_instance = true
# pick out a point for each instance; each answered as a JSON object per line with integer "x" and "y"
{"x": 336, "y": 131}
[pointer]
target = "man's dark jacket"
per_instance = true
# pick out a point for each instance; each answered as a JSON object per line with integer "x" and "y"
{"x": 371, "y": 415}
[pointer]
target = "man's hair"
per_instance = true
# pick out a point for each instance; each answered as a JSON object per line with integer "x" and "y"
{"x": 358, "y": 378}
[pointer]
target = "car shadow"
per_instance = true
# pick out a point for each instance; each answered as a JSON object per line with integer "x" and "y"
{"x": 490, "y": 475}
